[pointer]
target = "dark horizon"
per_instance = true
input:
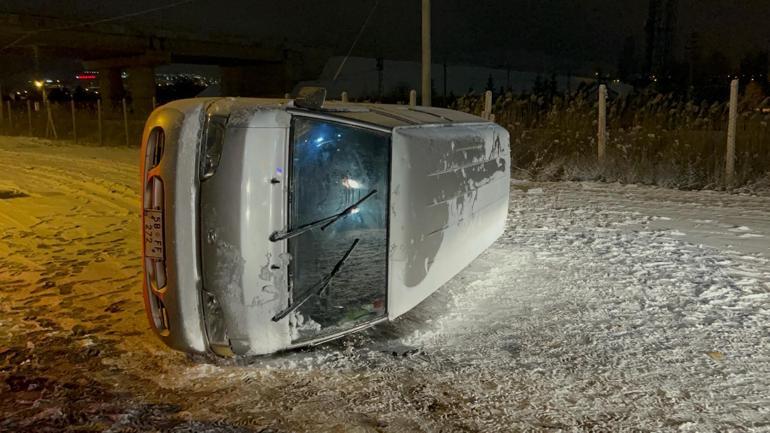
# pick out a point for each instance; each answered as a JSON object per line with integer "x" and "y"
{"x": 540, "y": 36}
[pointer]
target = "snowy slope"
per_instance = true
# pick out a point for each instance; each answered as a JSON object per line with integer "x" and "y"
{"x": 602, "y": 308}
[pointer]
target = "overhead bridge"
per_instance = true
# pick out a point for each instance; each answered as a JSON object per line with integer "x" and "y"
{"x": 248, "y": 67}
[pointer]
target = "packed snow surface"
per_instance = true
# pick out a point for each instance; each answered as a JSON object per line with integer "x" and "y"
{"x": 602, "y": 308}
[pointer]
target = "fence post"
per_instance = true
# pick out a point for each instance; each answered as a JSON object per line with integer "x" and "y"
{"x": 154, "y": 103}
{"x": 732, "y": 127}
{"x": 29, "y": 117}
{"x": 2, "y": 114}
{"x": 487, "y": 105}
{"x": 10, "y": 115}
{"x": 602, "y": 138}
{"x": 99, "y": 120}
{"x": 125, "y": 120}
{"x": 50, "y": 122}
{"x": 47, "y": 121}
{"x": 74, "y": 123}
{"x": 344, "y": 97}
{"x": 412, "y": 98}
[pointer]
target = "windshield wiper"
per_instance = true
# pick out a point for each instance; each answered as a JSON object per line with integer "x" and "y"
{"x": 323, "y": 222}
{"x": 318, "y": 288}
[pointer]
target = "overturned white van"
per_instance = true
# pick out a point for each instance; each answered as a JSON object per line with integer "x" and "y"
{"x": 273, "y": 224}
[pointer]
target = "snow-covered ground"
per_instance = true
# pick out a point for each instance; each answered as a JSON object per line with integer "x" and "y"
{"x": 602, "y": 308}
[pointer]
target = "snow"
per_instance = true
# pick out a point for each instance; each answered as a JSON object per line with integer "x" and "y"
{"x": 603, "y": 307}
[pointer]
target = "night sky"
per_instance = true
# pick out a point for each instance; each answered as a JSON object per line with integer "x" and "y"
{"x": 547, "y": 35}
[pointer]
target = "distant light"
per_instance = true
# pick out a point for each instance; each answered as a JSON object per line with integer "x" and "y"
{"x": 85, "y": 76}
{"x": 39, "y": 84}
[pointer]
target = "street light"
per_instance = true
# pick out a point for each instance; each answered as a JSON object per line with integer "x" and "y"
{"x": 40, "y": 84}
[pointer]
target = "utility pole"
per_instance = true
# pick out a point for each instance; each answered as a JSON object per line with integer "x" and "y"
{"x": 445, "y": 98}
{"x": 36, "y": 57}
{"x": 426, "y": 84}
{"x": 380, "y": 78}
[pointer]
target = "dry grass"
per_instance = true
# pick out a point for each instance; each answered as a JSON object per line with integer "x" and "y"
{"x": 86, "y": 119}
{"x": 653, "y": 139}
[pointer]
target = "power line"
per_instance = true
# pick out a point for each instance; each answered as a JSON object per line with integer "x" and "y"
{"x": 355, "y": 41}
{"x": 99, "y": 21}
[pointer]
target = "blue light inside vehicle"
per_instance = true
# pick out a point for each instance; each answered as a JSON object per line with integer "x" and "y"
{"x": 322, "y": 134}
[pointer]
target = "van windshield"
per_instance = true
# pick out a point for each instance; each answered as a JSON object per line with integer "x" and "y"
{"x": 334, "y": 167}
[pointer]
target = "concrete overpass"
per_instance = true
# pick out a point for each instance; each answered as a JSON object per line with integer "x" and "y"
{"x": 248, "y": 67}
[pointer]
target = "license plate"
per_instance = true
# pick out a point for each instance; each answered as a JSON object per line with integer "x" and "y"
{"x": 153, "y": 234}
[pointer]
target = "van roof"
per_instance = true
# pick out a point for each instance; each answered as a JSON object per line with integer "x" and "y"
{"x": 383, "y": 115}
{"x": 391, "y": 115}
